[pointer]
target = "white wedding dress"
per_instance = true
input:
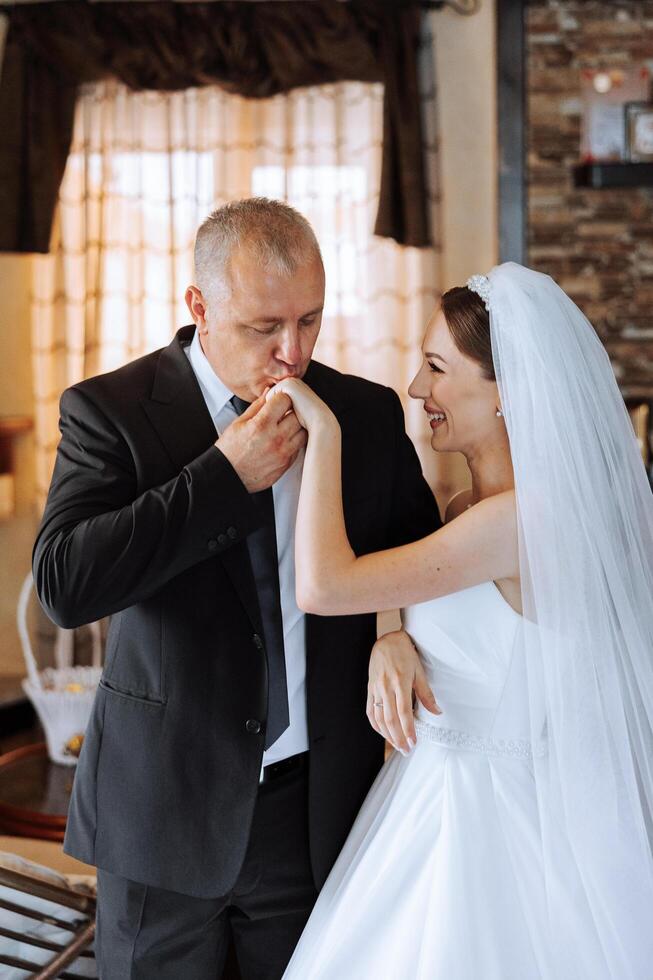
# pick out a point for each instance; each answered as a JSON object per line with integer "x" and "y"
{"x": 441, "y": 875}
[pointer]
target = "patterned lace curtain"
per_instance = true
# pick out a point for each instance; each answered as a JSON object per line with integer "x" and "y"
{"x": 146, "y": 167}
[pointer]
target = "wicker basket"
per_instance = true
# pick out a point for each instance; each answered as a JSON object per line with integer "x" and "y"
{"x": 62, "y": 699}
{"x": 62, "y": 695}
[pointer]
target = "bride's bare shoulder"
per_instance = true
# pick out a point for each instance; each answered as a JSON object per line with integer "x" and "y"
{"x": 499, "y": 507}
{"x": 497, "y": 512}
{"x": 457, "y": 505}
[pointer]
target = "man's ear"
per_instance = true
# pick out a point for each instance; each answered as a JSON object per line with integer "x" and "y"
{"x": 197, "y": 307}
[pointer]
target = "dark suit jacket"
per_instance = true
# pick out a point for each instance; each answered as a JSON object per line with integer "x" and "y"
{"x": 146, "y": 521}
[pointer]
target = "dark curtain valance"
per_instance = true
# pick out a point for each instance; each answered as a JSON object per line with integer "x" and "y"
{"x": 253, "y": 49}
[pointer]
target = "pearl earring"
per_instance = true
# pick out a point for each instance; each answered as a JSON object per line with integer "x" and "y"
{"x": 499, "y": 413}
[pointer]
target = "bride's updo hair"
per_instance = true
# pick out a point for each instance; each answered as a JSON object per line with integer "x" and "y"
{"x": 469, "y": 325}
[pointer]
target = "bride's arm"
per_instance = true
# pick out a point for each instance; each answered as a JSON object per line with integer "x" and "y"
{"x": 478, "y": 546}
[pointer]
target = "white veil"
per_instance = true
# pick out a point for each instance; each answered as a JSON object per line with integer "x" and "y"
{"x": 585, "y": 518}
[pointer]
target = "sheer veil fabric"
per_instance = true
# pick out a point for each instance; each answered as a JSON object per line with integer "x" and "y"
{"x": 585, "y": 523}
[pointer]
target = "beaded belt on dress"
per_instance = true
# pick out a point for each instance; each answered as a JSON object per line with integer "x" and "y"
{"x": 513, "y": 748}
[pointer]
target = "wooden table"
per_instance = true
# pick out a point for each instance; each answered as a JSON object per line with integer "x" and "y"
{"x": 34, "y": 799}
{"x": 34, "y": 793}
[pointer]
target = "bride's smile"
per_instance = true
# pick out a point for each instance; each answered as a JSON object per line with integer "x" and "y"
{"x": 459, "y": 392}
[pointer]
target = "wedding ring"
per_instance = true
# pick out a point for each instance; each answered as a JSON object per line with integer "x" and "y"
{"x": 378, "y": 704}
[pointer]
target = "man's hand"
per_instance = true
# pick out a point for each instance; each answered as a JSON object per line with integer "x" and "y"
{"x": 263, "y": 442}
{"x": 395, "y": 672}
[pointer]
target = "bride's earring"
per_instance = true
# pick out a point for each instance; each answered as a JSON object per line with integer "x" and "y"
{"x": 499, "y": 413}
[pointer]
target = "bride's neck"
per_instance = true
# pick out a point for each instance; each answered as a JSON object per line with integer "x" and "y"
{"x": 491, "y": 470}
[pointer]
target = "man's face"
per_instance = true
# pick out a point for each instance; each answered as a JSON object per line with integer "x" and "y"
{"x": 264, "y": 328}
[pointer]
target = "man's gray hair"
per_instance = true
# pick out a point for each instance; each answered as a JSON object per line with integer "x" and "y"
{"x": 277, "y": 235}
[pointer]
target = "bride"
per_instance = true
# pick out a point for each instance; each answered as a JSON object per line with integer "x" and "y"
{"x": 513, "y": 842}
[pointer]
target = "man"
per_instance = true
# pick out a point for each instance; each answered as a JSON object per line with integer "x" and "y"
{"x": 228, "y": 750}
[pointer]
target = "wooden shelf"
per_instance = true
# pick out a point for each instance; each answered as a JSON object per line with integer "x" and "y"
{"x": 600, "y": 175}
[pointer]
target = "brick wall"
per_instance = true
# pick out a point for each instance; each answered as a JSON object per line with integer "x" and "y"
{"x": 597, "y": 244}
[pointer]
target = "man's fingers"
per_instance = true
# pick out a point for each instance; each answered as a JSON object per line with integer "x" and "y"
{"x": 255, "y": 407}
{"x": 278, "y": 405}
{"x": 297, "y": 442}
{"x": 293, "y": 446}
{"x": 289, "y": 426}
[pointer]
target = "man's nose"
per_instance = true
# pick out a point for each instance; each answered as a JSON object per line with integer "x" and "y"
{"x": 289, "y": 350}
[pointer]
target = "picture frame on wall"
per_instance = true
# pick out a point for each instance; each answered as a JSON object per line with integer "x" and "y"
{"x": 639, "y": 131}
{"x": 604, "y": 94}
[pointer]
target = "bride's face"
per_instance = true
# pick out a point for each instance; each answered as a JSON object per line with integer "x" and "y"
{"x": 460, "y": 403}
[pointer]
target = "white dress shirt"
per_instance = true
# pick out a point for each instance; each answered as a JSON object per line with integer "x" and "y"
{"x": 285, "y": 493}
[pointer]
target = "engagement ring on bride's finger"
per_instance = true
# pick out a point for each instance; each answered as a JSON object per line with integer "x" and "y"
{"x": 378, "y": 704}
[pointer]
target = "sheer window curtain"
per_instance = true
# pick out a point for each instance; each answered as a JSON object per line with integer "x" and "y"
{"x": 146, "y": 167}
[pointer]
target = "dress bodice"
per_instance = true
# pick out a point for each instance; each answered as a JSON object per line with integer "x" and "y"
{"x": 469, "y": 645}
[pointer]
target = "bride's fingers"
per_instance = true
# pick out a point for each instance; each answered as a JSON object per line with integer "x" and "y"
{"x": 405, "y": 713}
{"x": 380, "y": 723}
{"x": 283, "y": 387}
{"x": 375, "y": 715}
{"x": 297, "y": 442}
{"x": 391, "y": 717}
{"x": 424, "y": 692}
{"x": 384, "y": 718}
{"x": 273, "y": 389}
{"x": 381, "y": 710}
{"x": 370, "y": 711}
{"x": 379, "y": 718}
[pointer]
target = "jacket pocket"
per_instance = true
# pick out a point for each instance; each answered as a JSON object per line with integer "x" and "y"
{"x": 138, "y": 696}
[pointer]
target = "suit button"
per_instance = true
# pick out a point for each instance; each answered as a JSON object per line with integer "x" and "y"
{"x": 222, "y": 539}
{"x": 258, "y": 642}
{"x": 253, "y": 726}
{"x": 213, "y": 544}
{"x": 232, "y": 532}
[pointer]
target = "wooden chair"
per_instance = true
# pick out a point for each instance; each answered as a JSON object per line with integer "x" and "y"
{"x": 32, "y": 898}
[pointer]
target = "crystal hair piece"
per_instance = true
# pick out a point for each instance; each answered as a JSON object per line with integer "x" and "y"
{"x": 481, "y": 286}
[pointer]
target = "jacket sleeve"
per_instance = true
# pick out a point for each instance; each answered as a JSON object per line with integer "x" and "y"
{"x": 414, "y": 509}
{"x": 102, "y": 546}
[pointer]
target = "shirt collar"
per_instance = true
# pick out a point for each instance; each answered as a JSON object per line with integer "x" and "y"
{"x": 216, "y": 394}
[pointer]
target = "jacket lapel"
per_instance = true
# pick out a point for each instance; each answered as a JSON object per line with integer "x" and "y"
{"x": 176, "y": 406}
{"x": 178, "y": 412}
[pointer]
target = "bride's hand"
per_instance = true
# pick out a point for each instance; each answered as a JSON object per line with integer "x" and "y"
{"x": 395, "y": 672}
{"x": 307, "y": 406}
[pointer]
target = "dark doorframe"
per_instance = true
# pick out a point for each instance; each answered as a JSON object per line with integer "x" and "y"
{"x": 512, "y": 121}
